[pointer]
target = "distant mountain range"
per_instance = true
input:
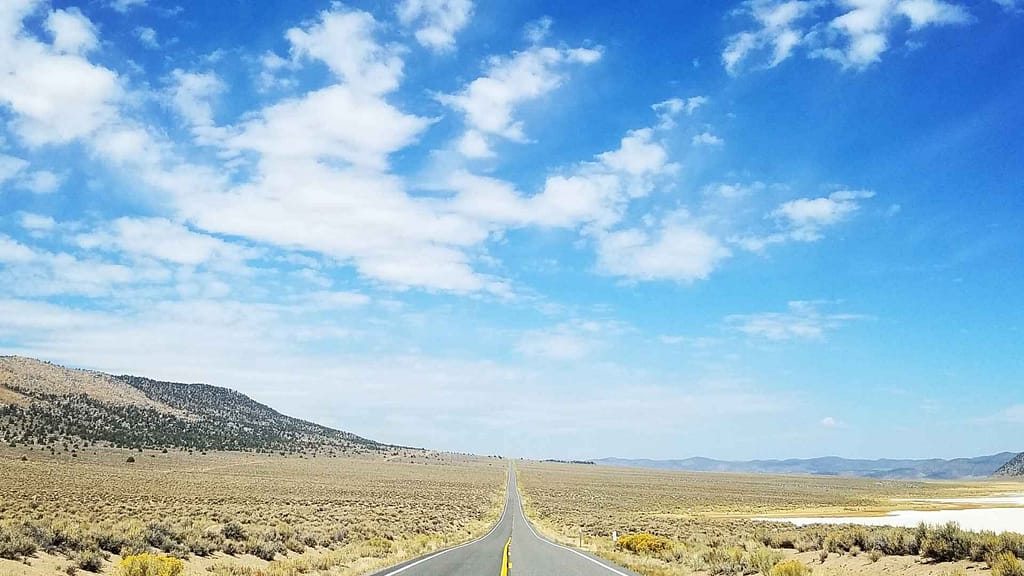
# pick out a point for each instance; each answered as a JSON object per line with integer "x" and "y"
{"x": 48, "y": 406}
{"x": 931, "y": 469}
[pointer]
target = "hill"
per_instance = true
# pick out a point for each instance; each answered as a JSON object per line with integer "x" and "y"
{"x": 932, "y": 469}
{"x": 45, "y": 404}
{"x": 1015, "y": 467}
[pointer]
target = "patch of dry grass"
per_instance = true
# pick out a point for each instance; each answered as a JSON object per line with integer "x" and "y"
{"x": 706, "y": 517}
{"x": 224, "y": 510}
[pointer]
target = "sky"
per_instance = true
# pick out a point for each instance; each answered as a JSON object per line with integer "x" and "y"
{"x": 755, "y": 229}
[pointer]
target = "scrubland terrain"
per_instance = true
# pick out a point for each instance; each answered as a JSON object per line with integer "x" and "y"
{"x": 675, "y": 523}
{"x": 238, "y": 514}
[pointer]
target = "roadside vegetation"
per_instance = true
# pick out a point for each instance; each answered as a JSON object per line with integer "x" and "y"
{"x": 674, "y": 524}
{"x": 237, "y": 514}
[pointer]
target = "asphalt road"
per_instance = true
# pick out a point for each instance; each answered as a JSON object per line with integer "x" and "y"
{"x": 530, "y": 554}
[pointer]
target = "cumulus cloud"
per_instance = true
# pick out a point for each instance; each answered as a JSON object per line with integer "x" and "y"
{"x": 801, "y": 219}
{"x": 147, "y": 37}
{"x": 806, "y": 217}
{"x": 192, "y": 96}
{"x": 802, "y": 320}
{"x": 436, "y": 21}
{"x": 37, "y": 222}
{"x": 853, "y": 33}
{"x": 54, "y": 92}
{"x": 343, "y": 39}
{"x": 10, "y": 167}
{"x": 593, "y": 193}
{"x": 489, "y": 102}
{"x": 312, "y": 172}
{"x": 707, "y": 139}
{"x": 733, "y": 190}
{"x": 677, "y": 250}
{"x": 41, "y": 182}
{"x": 14, "y": 252}
{"x": 72, "y": 32}
{"x": 669, "y": 109}
{"x": 776, "y": 35}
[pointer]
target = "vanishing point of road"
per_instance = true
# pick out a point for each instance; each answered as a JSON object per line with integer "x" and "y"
{"x": 529, "y": 554}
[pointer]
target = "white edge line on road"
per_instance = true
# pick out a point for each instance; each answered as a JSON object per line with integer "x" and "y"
{"x": 576, "y": 552}
{"x": 385, "y": 572}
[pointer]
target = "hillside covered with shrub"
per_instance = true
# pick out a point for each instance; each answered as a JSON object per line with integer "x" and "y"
{"x": 46, "y": 405}
{"x": 1013, "y": 468}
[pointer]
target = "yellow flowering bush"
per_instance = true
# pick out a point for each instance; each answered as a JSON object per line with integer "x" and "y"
{"x": 150, "y": 565}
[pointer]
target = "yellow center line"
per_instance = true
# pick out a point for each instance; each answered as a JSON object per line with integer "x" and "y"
{"x": 504, "y": 560}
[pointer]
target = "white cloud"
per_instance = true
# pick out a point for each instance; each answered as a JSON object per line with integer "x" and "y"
{"x": 20, "y": 316}
{"x": 733, "y": 190}
{"x": 36, "y": 273}
{"x": 853, "y": 33}
{"x": 271, "y": 68}
{"x": 318, "y": 170}
{"x": 830, "y": 422}
{"x": 55, "y": 93}
{"x": 802, "y": 321}
{"x": 537, "y": 31}
{"x": 489, "y": 102}
{"x": 312, "y": 172}
{"x": 333, "y": 123}
{"x": 37, "y": 222}
{"x": 669, "y": 109}
{"x": 568, "y": 341}
{"x": 675, "y": 250}
{"x": 555, "y": 345}
{"x": 805, "y": 217}
{"x": 592, "y": 193}
{"x": 343, "y": 40}
{"x": 867, "y": 24}
{"x": 1010, "y": 5}
{"x": 10, "y": 167}
{"x": 147, "y": 37}
{"x": 707, "y": 139}
{"x": 14, "y": 252}
{"x": 124, "y": 6}
{"x": 328, "y": 300}
{"x": 438, "y": 20}
{"x": 41, "y": 182}
{"x": 161, "y": 239}
{"x": 777, "y": 36}
{"x": 924, "y": 13}
{"x": 192, "y": 94}
{"x": 72, "y": 32}
{"x": 797, "y": 220}
{"x": 638, "y": 154}
{"x": 473, "y": 144}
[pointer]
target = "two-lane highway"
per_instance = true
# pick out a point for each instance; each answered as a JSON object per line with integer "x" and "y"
{"x": 529, "y": 553}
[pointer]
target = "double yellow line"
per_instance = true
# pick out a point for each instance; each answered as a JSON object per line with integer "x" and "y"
{"x": 504, "y": 559}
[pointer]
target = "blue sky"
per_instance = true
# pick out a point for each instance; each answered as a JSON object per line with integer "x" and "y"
{"x": 733, "y": 229}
